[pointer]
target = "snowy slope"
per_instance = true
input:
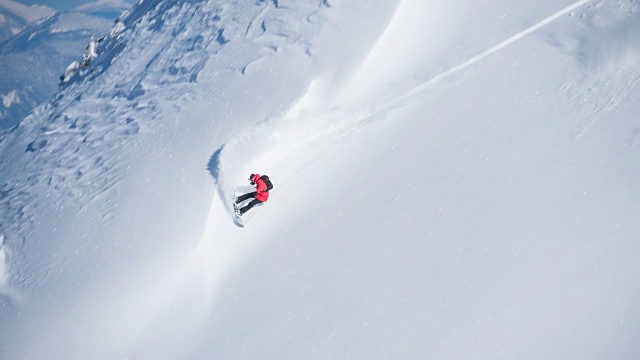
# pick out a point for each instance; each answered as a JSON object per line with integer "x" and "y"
{"x": 34, "y": 59}
{"x": 452, "y": 180}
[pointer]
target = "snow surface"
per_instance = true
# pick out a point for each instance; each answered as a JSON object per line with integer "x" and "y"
{"x": 34, "y": 59}
{"x": 453, "y": 179}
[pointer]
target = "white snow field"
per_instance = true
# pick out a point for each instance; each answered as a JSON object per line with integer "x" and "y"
{"x": 453, "y": 180}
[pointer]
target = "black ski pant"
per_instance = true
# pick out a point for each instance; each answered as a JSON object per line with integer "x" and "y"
{"x": 251, "y": 204}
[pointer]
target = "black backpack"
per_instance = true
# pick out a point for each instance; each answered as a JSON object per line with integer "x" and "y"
{"x": 267, "y": 182}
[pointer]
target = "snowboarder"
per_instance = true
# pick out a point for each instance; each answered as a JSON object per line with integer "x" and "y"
{"x": 263, "y": 185}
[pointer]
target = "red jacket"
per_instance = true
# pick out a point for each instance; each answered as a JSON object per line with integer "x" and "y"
{"x": 261, "y": 188}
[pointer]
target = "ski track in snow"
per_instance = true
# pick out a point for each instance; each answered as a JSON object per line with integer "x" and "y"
{"x": 317, "y": 131}
{"x": 310, "y": 127}
{"x": 312, "y": 121}
{"x": 473, "y": 60}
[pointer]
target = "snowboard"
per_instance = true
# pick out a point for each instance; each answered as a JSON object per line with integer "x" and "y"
{"x": 237, "y": 218}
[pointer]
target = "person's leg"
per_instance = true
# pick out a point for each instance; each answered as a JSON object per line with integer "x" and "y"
{"x": 251, "y": 204}
{"x": 244, "y": 197}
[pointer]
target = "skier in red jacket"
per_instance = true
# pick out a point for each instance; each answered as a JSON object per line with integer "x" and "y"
{"x": 259, "y": 196}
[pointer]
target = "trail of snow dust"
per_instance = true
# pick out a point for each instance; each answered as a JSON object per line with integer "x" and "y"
{"x": 425, "y": 85}
{"x": 322, "y": 118}
{"x": 281, "y": 146}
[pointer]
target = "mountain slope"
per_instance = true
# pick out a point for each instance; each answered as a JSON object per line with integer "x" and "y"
{"x": 14, "y": 16}
{"x": 34, "y": 58}
{"x": 452, "y": 180}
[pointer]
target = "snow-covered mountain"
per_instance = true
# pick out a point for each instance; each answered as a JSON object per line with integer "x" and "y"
{"x": 453, "y": 179}
{"x": 34, "y": 59}
{"x": 15, "y": 16}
